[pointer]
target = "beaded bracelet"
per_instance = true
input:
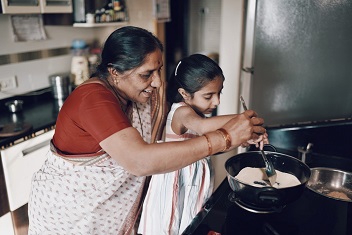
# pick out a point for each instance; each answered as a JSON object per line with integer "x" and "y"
{"x": 210, "y": 149}
{"x": 226, "y": 137}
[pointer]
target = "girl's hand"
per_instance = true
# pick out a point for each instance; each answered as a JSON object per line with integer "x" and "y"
{"x": 259, "y": 143}
{"x": 245, "y": 127}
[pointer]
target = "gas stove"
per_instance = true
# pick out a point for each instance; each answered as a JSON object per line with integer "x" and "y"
{"x": 329, "y": 146}
{"x": 310, "y": 214}
{"x": 38, "y": 116}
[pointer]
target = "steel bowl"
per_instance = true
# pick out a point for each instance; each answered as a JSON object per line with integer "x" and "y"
{"x": 14, "y": 105}
{"x": 331, "y": 183}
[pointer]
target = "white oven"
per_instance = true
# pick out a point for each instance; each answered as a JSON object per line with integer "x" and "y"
{"x": 19, "y": 162}
{"x": 6, "y": 225}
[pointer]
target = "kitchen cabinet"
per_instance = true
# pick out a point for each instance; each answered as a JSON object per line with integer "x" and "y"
{"x": 56, "y": 6}
{"x": 93, "y": 13}
{"x": 19, "y": 164}
{"x": 35, "y": 6}
{"x": 6, "y": 225}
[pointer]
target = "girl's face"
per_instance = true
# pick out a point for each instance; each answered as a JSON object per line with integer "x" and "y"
{"x": 138, "y": 84}
{"x": 208, "y": 98}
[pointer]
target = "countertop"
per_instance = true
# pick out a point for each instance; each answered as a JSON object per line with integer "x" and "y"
{"x": 40, "y": 110}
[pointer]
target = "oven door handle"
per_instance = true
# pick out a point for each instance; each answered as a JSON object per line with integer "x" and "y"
{"x": 35, "y": 147}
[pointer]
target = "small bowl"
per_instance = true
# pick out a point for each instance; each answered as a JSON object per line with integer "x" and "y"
{"x": 14, "y": 105}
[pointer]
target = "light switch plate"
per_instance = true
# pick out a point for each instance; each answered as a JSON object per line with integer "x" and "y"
{"x": 8, "y": 83}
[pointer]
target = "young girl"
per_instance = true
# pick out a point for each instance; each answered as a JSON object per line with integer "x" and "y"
{"x": 173, "y": 199}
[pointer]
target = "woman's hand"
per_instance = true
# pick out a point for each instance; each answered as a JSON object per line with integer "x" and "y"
{"x": 245, "y": 127}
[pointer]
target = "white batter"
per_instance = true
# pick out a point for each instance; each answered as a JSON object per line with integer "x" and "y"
{"x": 257, "y": 177}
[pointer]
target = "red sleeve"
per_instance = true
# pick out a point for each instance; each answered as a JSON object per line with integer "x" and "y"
{"x": 89, "y": 115}
{"x": 101, "y": 114}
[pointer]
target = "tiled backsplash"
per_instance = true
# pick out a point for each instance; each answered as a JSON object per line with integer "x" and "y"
{"x": 33, "y": 55}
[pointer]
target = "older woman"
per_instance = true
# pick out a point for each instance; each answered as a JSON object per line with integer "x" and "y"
{"x": 103, "y": 147}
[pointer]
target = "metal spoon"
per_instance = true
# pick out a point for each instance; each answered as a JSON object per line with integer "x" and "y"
{"x": 269, "y": 167}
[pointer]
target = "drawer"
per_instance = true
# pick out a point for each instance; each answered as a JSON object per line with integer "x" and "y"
{"x": 6, "y": 225}
{"x": 19, "y": 163}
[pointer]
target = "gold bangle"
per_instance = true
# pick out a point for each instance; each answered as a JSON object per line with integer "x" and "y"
{"x": 210, "y": 149}
{"x": 226, "y": 137}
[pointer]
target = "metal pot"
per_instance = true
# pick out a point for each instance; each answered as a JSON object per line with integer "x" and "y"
{"x": 14, "y": 105}
{"x": 331, "y": 183}
{"x": 61, "y": 85}
{"x": 266, "y": 197}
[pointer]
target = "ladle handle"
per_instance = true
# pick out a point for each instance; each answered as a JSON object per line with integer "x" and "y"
{"x": 243, "y": 103}
{"x": 267, "y": 164}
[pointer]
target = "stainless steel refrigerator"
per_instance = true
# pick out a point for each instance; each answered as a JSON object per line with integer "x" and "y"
{"x": 301, "y": 60}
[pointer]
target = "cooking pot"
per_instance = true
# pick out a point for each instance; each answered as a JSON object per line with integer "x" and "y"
{"x": 267, "y": 196}
{"x": 14, "y": 105}
{"x": 61, "y": 85}
{"x": 331, "y": 183}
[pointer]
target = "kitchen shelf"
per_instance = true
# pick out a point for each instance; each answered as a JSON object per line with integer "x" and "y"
{"x": 92, "y": 25}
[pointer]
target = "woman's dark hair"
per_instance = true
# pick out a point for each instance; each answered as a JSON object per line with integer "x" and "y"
{"x": 192, "y": 74}
{"x": 126, "y": 48}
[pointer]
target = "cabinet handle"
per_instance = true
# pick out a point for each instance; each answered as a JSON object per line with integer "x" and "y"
{"x": 35, "y": 147}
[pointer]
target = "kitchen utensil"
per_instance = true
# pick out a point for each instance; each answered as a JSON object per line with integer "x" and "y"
{"x": 269, "y": 168}
{"x": 266, "y": 197}
{"x": 14, "y": 105}
{"x": 331, "y": 183}
{"x": 61, "y": 85}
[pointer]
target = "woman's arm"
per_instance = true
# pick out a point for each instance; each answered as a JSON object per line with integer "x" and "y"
{"x": 139, "y": 158}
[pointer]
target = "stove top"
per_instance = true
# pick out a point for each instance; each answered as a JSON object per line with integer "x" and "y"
{"x": 309, "y": 214}
{"x": 39, "y": 114}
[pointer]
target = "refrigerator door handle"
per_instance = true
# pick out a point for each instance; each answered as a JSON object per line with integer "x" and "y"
{"x": 248, "y": 70}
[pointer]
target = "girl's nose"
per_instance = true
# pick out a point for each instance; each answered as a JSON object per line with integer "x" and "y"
{"x": 216, "y": 100}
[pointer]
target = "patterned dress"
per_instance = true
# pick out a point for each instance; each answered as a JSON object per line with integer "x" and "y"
{"x": 91, "y": 193}
{"x": 173, "y": 199}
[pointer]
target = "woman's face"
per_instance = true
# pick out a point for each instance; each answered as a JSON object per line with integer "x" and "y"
{"x": 138, "y": 84}
{"x": 208, "y": 98}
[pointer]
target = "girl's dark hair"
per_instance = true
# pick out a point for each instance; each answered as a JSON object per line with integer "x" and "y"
{"x": 126, "y": 48}
{"x": 192, "y": 74}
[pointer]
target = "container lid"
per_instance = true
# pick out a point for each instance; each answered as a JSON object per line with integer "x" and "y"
{"x": 62, "y": 78}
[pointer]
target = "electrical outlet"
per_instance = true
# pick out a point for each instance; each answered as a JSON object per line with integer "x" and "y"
{"x": 8, "y": 83}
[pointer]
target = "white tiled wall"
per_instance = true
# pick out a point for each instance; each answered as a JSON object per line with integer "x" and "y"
{"x": 33, "y": 75}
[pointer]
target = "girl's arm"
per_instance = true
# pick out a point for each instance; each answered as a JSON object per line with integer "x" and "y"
{"x": 186, "y": 117}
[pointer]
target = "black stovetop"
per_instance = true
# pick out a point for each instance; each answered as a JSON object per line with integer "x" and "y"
{"x": 309, "y": 214}
{"x": 40, "y": 110}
